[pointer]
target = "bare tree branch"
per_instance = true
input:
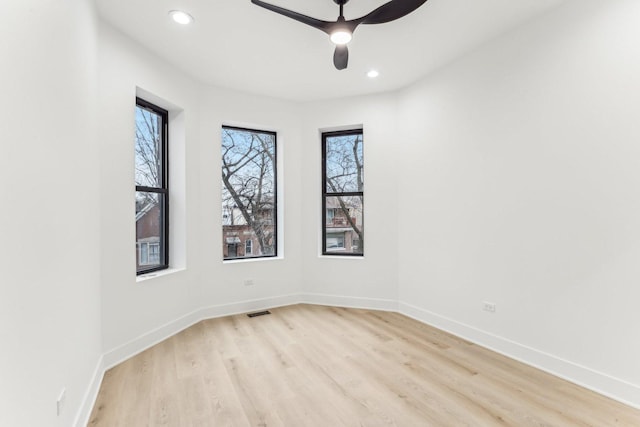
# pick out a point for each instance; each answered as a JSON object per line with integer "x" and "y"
{"x": 248, "y": 176}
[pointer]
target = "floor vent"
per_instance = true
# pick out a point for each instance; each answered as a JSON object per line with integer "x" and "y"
{"x": 259, "y": 313}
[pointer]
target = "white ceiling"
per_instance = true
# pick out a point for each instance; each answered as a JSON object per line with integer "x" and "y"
{"x": 238, "y": 45}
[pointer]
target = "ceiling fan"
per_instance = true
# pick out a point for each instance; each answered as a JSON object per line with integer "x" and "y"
{"x": 341, "y": 30}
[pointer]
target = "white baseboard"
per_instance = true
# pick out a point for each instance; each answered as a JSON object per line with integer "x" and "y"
{"x": 90, "y": 396}
{"x": 149, "y": 339}
{"x": 153, "y": 337}
{"x": 599, "y": 382}
{"x": 350, "y": 302}
{"x": 248, "y": 306}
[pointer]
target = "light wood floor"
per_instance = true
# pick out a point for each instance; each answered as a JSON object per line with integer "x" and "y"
{"x": 307, "y": 365}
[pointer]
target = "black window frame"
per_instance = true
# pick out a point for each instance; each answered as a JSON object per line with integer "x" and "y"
{"x": 276, "y": 244}
{"x": 326, "y": 194}
{"x": 163, "y": 189}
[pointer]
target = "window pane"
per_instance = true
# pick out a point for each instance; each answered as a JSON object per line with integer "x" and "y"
{"x": 144, "y": 253}
{"x": 154, "y": 253}
{"x": 148, "y": 148}
{"x": 344, "y": 230}
{"x": 248, "y": 193}
{"x": 344, "y": 163}
{"x": 149, "y": 226}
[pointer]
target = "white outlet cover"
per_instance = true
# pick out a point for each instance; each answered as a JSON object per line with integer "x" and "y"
{"x": 489, "y": 306}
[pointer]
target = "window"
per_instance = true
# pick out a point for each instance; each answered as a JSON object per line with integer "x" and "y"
{"x": 342, "y": 193}
{"x": 152, "y": 194}
{"x": 149, "y": 253}
{"x": 249, "y": 199}
{"x": 330, "y": 214}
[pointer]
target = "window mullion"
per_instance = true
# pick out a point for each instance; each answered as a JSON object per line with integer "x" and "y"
{"x": 151, "y": 189}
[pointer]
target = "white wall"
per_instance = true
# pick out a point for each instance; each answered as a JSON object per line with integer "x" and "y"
{"x": 523, "y": 163}
{"x": 370, "y": 280}
{"x": 273, "y": 278}
{"x": 130, "y": 308}
{"x": 49, "y": 215}
{"x": 138, "y": 312}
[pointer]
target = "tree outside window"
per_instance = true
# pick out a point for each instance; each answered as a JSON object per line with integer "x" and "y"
{"x": 249, "y": 199}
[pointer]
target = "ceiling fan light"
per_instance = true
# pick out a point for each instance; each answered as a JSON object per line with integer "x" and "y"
{"x": 341, "y": 37}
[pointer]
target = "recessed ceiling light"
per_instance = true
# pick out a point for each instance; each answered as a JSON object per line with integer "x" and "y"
{"x": 372, "y": 74}
{"x": 181, "y": 17}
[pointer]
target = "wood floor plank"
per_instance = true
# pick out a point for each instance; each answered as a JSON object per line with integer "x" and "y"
{"x": 307, "y": 365}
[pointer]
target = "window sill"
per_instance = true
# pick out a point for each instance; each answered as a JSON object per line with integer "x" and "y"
{"x": 244, "y": 260}
{"x": 341, "y": 257}
{"x": 156, "y": 274}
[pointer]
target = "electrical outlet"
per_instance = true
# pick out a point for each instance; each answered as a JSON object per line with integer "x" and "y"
{"x": 489, "y": 306}
{"x": 248, "y": 282}
{"x": 62, "y": 397}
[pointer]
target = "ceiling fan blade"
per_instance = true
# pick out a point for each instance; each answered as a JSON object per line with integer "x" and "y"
{"x": 316, "y": 23}
{"x": 341, "y": 57}
{"x": 391, "y": 11}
